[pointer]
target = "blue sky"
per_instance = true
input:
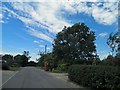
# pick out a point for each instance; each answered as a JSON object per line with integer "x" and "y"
{"x": 32, "y": 25}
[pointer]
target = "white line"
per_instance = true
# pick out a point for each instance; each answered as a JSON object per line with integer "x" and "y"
{"x": 8, "y": 79}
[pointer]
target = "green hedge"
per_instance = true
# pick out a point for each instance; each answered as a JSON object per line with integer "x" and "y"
{"x": 98, "y": 77}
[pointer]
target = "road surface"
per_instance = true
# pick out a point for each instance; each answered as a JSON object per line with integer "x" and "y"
{"x": 6, "y": 75}
{"x": 31, "y": 77}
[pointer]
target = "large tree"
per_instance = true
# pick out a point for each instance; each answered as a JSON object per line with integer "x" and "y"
{"x": 75, "y": 44}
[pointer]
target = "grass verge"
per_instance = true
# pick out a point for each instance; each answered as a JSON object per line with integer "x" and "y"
{"x": 15, "y": 68}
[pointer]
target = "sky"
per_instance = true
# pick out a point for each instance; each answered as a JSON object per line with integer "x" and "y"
{"x": 31, "y": 24}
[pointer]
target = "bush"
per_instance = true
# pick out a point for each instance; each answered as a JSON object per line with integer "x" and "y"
{"x": 5, "y": 66}
{"x": 62, "y": 68}
{"x": 15, "y": 68}
{"x": 98, "y": 77}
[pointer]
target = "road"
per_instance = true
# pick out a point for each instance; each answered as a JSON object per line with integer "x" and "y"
{"x": 6, "y": 75}
{"x": 31, "y": 77}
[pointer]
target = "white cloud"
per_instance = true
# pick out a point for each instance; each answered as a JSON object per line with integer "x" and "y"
{"x": 106, "y": 15}
{"x": 37, "y": 42}
{"x": 48, "y": 14}
{"x": 40, "y": 35}
{"x": 42, "y": 46}
{"x": 1, "y": 21}
{"x": 103, "y": 54}
{"x": 49, "y": 48}
{"x": 48, "y": 0}
{"x": 1, "y": 16}
{"x": 45, "y": 15}
{"x": 34, "y": 56}
{"x": 11, "y": 53}
{"x": 102, "y": 34}
{"x": 59, "y": 0}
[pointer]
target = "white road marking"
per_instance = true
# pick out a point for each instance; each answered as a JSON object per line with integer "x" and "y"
{"x": 8, "y": 79}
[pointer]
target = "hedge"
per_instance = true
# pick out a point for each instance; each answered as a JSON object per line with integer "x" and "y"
{"x": 97, "y": 77}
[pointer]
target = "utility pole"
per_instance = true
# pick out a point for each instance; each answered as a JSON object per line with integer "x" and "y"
{"x": 45, "y": 49}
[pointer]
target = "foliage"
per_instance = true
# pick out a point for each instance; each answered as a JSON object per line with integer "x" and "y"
{"x": 111, "y": 61}
{"x": 31, "y": 63}
{"x": 75, "y": 45}
{"x": 17, "y": 59}
{"x": 26, "y": 53}
{"x": 24, "y": 60}
{"x": 114, "y": 43}
{"x": 62, "y": 68}
{"x": 8, "y": 58}
{"x": 56, "y": 71}
{"x": 98, "y": 77}
{"x": 14, "y": 68}
{"x": 21, "y": 60}
{"x": 5, "y": 66}
{"x": 46, "y": 57}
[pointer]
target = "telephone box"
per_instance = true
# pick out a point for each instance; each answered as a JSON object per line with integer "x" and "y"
{"x": 46, "y": 66}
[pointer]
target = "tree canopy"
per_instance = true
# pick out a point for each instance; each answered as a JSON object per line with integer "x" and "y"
{"x": 114, "y": 43}
{"x": 8, "y": 58}
{"x": 75, "y": 44}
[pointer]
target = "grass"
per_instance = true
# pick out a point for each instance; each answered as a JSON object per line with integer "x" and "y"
{"x": 53, "y": 71}
{"x": 56, "y": 71}
{"x": 15, "y": 68}
{"x": 42, "y": 68}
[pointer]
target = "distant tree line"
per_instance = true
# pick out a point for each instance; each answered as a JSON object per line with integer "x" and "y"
{"x": 18, "y": 60}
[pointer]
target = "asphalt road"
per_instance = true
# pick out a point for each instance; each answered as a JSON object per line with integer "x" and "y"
{"x": 31, "y": 77}
{"x": 6, "y": 75}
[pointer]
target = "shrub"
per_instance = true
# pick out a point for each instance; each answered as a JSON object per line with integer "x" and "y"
{"x": 98, "y": 77}
{"x": 62, "y": 68}
{"x": 5, "y": 66}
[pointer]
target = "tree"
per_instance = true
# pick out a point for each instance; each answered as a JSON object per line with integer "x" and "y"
{"x": 32, "y": 63}
{"x": 75, "y": 44}
{"x": 17, "y": 59}
{"x": 24, "y": 60}
{"x": 26, "y": 53}
{"x": 114, "y": 43}
{"x": 46, "y": 57}
{"x": 111, "y": 61}
{"x": 8, "y": 58}
{"x": 21, "y": 60}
